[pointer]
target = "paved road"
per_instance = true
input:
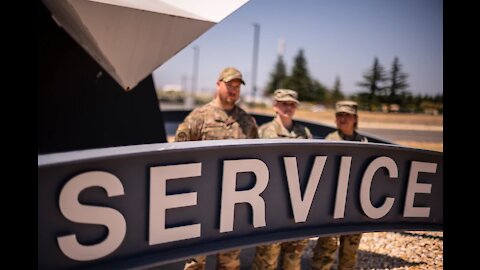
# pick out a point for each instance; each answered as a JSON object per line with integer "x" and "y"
{"x": 407, "y": 135}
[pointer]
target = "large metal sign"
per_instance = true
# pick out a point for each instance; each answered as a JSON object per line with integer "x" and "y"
{"x": 152, "y": 204}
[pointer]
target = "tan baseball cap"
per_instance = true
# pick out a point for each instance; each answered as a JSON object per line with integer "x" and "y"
{"x": 230, "y": 73}
{"x": 285, "y": 95}
{"x": 346, "y": 106}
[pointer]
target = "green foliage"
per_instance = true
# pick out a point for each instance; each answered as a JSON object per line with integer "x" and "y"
{"x": 398, "y": 82}
{"x": 300, "y": 80}
{"x": 421, "y": 104}
{"x": 277, "y": 77}
{"x": 363, "y": 100}
{"x": 374, "y": 82}
{"x": 319, "y": 91}
{"x": 336, "y": 91}
{"x": 308, "y": 89}
{"x": 171, "y": 96}
{"x": 380, "y": 89}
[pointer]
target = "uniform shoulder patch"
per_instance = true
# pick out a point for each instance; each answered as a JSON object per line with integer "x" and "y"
{"x": 181, "y": 136}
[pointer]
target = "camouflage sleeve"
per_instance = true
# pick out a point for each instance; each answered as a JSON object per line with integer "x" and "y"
{"x": 333, "y": 137}
{"x": 261, "y": 130}
{"x": 267, "y": 131}
{"x": 183, "y": 132}
{"x": 189, "y": 129}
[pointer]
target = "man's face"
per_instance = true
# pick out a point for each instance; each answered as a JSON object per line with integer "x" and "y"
{"x": 285, "y": 108}
{"x": 229, "y": 92}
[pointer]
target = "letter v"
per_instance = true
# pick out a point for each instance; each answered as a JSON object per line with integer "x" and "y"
{"x": 301, "y": 206}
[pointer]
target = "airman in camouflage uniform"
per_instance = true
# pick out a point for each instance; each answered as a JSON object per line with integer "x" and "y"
{"x": 211, "y": 122}
{"x": 282, "y": 126}
{"x": 274, "y": 129}
{"x": 346, "y": 119}
{"x": 220, "y": 119}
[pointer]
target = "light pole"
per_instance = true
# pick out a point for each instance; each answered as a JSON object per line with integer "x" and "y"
{"x": 256, "y": 36}
{"x": 196, "y": 53}
{"x": 191, "y": 95}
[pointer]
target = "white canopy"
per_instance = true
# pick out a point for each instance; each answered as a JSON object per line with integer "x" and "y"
{"x": 131, "y": 38}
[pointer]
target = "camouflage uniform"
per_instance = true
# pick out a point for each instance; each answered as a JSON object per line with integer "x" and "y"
{"x": 266, "y": 256}
{"x": 324, "y": 251}
{"x": 274, "y": 130}
{"x": 338, "y": 136}
{"x": 210, "y": 122}
{"x": 229, "y": 260}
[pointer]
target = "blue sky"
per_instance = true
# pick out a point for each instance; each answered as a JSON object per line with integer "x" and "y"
{"x": 339, "y": 38}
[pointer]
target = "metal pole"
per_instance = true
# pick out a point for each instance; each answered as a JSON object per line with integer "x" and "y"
{"x": 255, "y": 60}
{"x": 196, "y": 54}
{"x": 184, "y": 83}
{"x": 189, "y": 99}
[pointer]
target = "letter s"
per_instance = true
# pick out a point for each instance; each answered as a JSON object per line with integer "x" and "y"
{"x": 88, "y": 214}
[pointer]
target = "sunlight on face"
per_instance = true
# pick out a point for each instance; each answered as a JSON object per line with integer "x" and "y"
{"x": 345, "y": 122}
{"x": 285, "y": 108}
{"x": 229, "y": 92}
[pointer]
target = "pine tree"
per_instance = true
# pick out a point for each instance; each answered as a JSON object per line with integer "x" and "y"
{"x": 307, "y": 88}
{"x": 300, "y": 79}
{"x": 336, "y": 91}
{"x": 374, "y": 80}
{"x": 277, "y": 77}
{"x": 398, "y": 82}
{"x": 320, "y": 92}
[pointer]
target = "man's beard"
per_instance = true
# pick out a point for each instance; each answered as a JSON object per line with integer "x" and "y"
{"x": 228, "y": 100}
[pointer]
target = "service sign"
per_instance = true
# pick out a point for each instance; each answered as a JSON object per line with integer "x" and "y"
{"x": 148, "y": 205}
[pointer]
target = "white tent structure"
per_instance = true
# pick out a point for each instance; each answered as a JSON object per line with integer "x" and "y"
{"x": 131, "y": 38}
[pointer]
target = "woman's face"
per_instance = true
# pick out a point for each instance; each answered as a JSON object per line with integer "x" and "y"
{"x": 285, "y": 108}
{"x": 345, "y": 122}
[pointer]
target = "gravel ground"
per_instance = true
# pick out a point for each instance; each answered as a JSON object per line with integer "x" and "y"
{"x": 410, "y": 250}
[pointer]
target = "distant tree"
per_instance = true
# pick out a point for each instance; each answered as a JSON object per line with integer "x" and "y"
{"x": 374, "y": 80}
{"x": 418, "y": 102}
{"x": 308, "y": 89}
{"x": 408, "y": 102}
{"x": 438, "y": 98}
{"x": 300, "y": 80}
{"x": 336, "y": 91}
{"x": 398, "y": 82}
{"x": 363, "y": 99}
{"x": 277, "y": 77}
{"x": 319, "y": 91}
